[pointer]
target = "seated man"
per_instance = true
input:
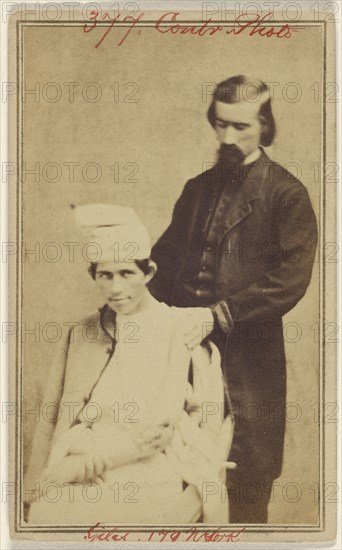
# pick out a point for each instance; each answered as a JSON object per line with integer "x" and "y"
{"x": 139, "y": 435}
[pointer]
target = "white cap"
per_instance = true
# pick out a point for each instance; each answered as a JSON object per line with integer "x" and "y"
{"x": 113, "y": 233}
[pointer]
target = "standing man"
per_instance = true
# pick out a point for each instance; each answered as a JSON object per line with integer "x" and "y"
{"x": 240, "y": 248}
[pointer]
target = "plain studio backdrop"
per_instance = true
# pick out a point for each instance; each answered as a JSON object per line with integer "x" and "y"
{"x": 127, "y": 125}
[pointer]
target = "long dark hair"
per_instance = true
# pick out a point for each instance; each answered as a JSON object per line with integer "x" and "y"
{"x": 229, "y": 91}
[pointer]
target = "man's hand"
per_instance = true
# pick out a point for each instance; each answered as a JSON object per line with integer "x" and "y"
{"x": 77, "y": 440}
{"x": 200, "y": 323}
{"x": 155, "y": 438}
{"x": 122, "y": 446}
{"x": 74, "y": 469}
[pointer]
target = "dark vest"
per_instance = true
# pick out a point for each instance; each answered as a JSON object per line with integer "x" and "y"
{"x": 197, "y": 283}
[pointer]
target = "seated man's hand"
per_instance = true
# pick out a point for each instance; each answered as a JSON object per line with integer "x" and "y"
{"x": 74, "y": 469}
{"x": 155, "y": 438}
{"x": 75, "y": 440}
{"x": 123, "y": 446}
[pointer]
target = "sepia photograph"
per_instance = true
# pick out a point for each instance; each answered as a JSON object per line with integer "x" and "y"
{"x": 172, "y": 253}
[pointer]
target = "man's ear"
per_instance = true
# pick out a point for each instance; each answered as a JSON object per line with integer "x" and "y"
{"x": 153, "y": 270}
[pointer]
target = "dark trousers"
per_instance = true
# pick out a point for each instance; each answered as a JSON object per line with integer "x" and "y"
{"x": 249, "y": 495}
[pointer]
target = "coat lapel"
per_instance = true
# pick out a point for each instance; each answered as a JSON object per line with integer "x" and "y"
{"x": 89, "y": 360}
{"x": 97, "y": 355}
{"x": 240, "y": 205}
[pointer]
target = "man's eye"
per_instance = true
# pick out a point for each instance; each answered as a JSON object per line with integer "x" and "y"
{"x": 127, "y": 273}
{"x": 239, "y": 126}
{"x": 104, "y": 275}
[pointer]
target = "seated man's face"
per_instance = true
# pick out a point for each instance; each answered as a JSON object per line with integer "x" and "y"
{"x": 238, "y": 128}
{"x": 123, "y": 286}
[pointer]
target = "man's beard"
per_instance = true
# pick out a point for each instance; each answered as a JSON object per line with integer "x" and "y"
{"x": 230, "y": 162}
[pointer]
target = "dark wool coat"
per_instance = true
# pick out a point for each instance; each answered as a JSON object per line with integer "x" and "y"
{"x": 264, "y": 258}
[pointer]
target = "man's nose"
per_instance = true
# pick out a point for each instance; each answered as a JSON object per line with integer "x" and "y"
{"x": 116, "y": 286}
{"x": 229, "y": 137}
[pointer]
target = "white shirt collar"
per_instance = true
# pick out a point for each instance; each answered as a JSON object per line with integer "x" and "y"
{"x": 252, "y": 157}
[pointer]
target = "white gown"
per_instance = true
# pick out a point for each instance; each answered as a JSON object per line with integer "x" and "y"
{"x": 144, "y": 385}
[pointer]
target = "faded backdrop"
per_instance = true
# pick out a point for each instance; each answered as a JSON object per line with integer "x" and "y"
{"x": 144, "y": 124}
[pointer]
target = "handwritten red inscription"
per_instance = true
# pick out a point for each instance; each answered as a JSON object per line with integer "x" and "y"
{"x": 105, "y": 16}
{"x": 195, "y": 535}
{"x": 100, "y": 533}
{"x": 104, "y": 535}
{"x": 168, "y": 24}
